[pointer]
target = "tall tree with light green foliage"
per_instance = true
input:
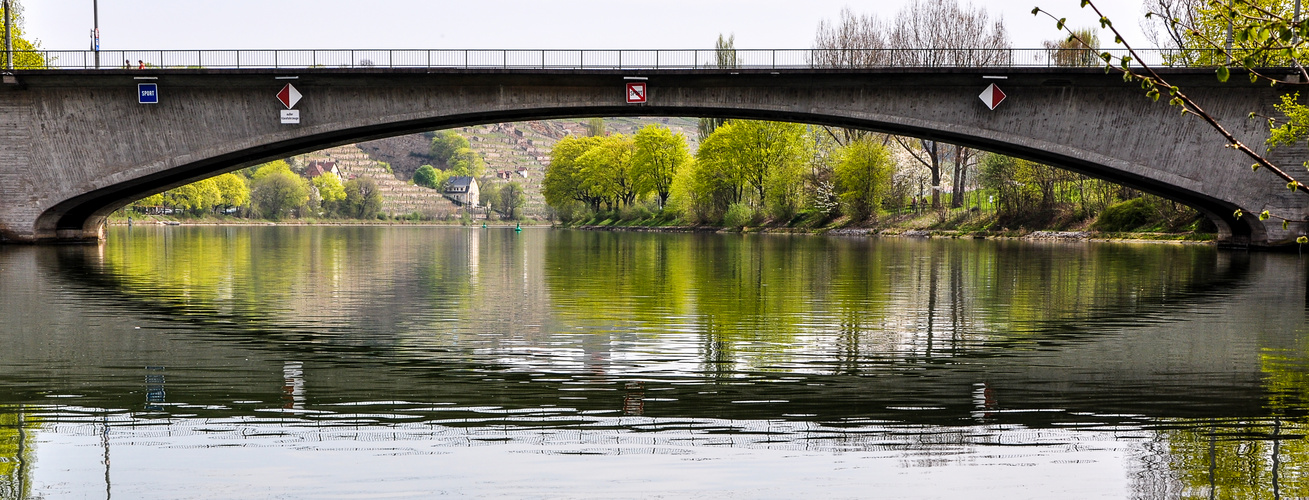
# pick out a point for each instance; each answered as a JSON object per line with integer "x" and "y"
{"x": 863, "y": 176}
{"x": 276, "y": 191}
{"x": 331, "y": 192}
{"x": 563, "y": 183}
{"x": 659, "y": 156}
{"x": 606, "y": 171}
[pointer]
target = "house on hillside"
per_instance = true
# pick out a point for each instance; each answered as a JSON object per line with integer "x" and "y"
{"x": 463, "y": 190}
{"x": 320, "y": 167}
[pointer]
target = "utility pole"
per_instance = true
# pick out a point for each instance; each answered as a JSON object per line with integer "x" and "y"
{"x": 95, "y": 33}
{"x": 9, "y": 36}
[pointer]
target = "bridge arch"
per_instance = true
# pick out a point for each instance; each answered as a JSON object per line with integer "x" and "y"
{"x": 94, "y": 148}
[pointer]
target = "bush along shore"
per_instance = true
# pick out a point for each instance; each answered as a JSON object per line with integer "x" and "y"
{"x": 957, "y": 223}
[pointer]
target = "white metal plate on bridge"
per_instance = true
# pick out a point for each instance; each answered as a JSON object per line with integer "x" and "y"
{"x": 290, "y": 116}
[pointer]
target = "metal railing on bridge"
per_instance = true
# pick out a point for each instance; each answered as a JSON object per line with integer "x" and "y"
{"x": 589, "y": 59}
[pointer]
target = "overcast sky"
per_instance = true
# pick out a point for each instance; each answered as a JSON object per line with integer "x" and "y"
{"x": 290, "y": 24}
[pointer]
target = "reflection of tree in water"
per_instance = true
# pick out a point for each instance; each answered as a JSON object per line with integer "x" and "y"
{"x": 1237, "y": 458}
{"x": 751, "y": 298}
{"x": 17, "y": 452}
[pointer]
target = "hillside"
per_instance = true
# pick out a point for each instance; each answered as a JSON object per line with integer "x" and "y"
{"x": 399, "y": 198}
{"x": 518, "y": 151}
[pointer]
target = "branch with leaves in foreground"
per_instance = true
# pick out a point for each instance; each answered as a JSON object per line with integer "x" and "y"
{"x": 1272, "y": 32}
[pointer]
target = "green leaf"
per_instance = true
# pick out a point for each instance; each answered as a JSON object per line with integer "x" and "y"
{"x": 1285, "y": 223}
{"x": 1302, "y": 240}
{"x": 1253, "y": 77}
{"x": 1254, "y": 167}
{"x": 1118, "y": 39}
{"x": 1106, "y": 56}
{"x": 1293, "y": 185}
{"x": 1264, "y": 215}
{"x": 1252, "y": 115}
{"x": 1085, "y": 3}
{"x": 1104, "y": 22}
{"x": 1223, "y": 73}
{"x": 1060, "y": 24}
{"x": 1176, "y": 101}
{"x": 1153, "y": 94}
{"x": 1238, "y": 213}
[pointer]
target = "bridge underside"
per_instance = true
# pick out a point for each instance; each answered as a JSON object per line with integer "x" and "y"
{"x": 78, "y": 145}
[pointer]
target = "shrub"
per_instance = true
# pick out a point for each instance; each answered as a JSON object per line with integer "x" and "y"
{"x": 1125, "y": 216}
{"x": 738, "y": 215}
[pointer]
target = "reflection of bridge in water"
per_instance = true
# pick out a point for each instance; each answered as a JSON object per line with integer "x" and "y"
{"x": 85, "y": 147}
{"x": 1077, "y": 363}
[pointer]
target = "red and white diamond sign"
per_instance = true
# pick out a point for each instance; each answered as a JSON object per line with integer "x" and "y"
{"x": 289, "y": 96}
{"x": 992, "y": 96}
{"x": 636, "y": 93}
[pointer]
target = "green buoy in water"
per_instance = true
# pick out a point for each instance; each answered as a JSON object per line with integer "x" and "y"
{"x": 518, "y": 227}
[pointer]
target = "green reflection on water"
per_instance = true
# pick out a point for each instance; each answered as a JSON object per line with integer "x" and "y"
{"x": 851, "y": 316}
{"x": 17, "y": 452}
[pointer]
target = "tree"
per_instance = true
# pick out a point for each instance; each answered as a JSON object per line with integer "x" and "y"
{"x": 924, "y": 33}
{"x": 466, "y": 162}
{"x": 595, "y": 127}
{"x": 25, "y": 51}
{"x": 863, "y": 176}
{"x": 330, "y": 193}
{"x": 606, "y": 171}
{"x": 563, "y": 177}
{"x": 658, "y": 157}
{"x": 426, "y": 176}
{"x": 362, "y": 199}
{"x": 445, "y": 144}
{"x": 1081, "y": 50}
{"x": 233, "y": 190}
{"x": 724, "y": 57}
{"x": 507, "y": 200}
{"x": 276, "y": 191}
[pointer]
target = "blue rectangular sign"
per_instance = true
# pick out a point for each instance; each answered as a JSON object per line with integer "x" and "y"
{"x": 147, "y": 93}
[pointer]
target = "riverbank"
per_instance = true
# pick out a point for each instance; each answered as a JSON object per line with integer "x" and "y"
{"x": 238, "y": 221}
{"x": 957, "y": 224}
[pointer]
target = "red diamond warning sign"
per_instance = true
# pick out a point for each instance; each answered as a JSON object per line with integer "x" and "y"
{"x": 289, "y": 96}
{"x": 992, "y": 96}
{"x": 636, "y": 93}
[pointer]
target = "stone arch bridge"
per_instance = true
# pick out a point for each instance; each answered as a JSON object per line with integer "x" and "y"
{"x": 76, "y": 145}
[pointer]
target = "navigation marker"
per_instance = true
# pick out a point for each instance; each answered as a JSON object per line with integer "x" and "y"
{"x": 992, "y": 96}
{"x": 636, "y": 93}
{"x": 289, "y": 96}
{"x": 290, "y": 116}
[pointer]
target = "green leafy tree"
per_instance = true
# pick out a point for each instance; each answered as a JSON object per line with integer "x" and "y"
{"x": 863, "y": 177}
{"x": 507, "y": 199}
{"x": 330, "y": 193}
{"x": 606, "y": 171}
{"x": 26, "y": 52}
{"x": 445, "y": 144}
{"x": 659, "y": 156}
{"x": 362, "y": 198}
{"x": 595, "y": 127}
{"x": 234, "y": 190}
{"x": 563, "y": 177}
{"x": 276, "y": 191}
{"x": 466, "y": 162}
{"x": 425, "y": 176}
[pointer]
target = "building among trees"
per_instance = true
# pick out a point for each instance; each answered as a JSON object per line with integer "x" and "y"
{"x": 463, "y": 189}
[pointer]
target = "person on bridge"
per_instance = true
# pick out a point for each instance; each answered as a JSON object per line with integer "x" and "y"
{"x": 140, "y": 64}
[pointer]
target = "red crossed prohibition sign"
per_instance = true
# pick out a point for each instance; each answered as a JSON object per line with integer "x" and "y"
{"x": 636, "y": 92}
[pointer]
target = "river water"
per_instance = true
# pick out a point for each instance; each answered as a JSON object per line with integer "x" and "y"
{"x": 398, "y": 362}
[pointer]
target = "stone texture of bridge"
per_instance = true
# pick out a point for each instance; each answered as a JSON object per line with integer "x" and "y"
{"x": 76, "y": 145}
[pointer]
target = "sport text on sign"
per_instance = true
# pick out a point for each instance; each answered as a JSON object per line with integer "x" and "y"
{"x": 289, "y": 96}
{"x": 147, "y": 93}
{"x": 636, "y": 93}
{"x": 992, "y": 96}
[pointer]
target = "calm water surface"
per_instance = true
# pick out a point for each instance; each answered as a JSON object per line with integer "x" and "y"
{"x": 376, "y": 362}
